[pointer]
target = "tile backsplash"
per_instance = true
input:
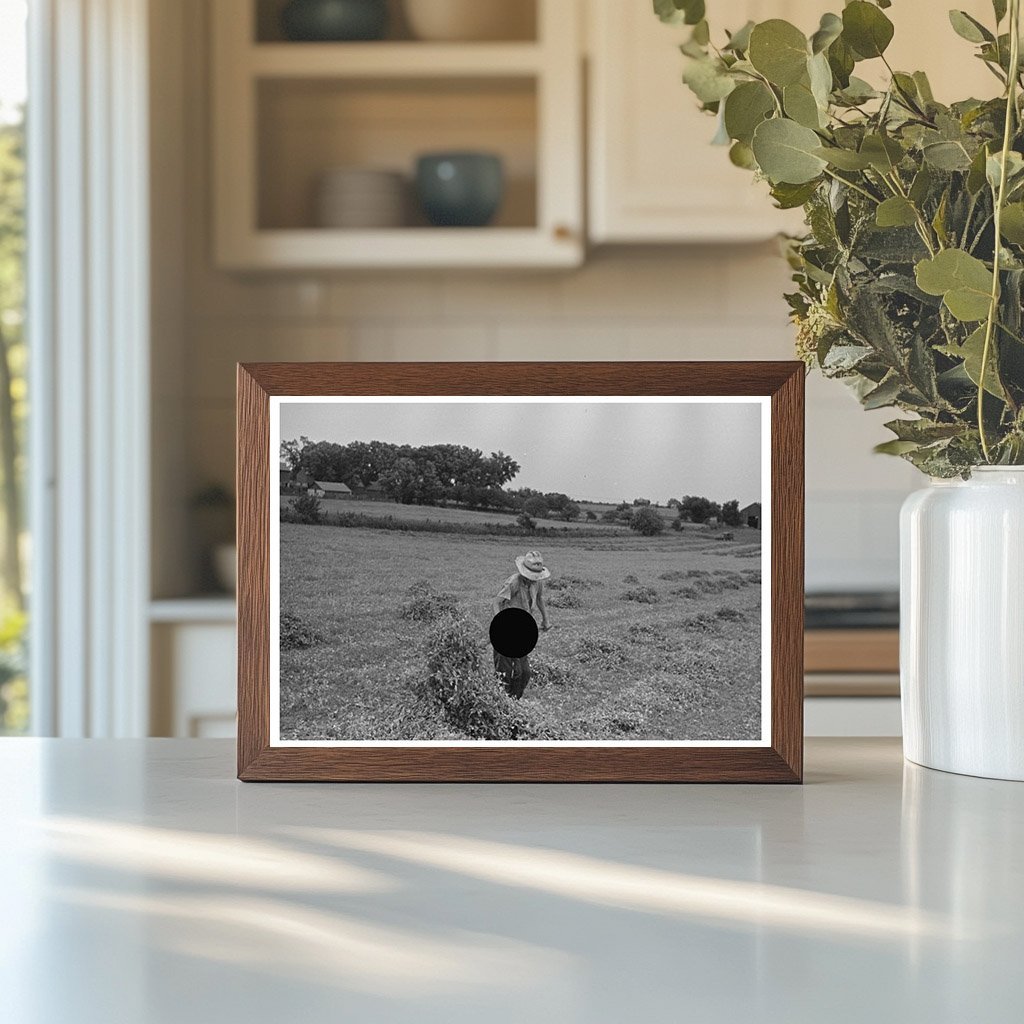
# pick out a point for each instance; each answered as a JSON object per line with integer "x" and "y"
{"x": 719, "y": 302}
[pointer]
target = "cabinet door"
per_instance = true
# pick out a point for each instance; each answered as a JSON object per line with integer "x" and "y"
{"x": 654, "y": 177}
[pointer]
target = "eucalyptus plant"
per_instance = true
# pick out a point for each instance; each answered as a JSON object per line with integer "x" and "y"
{"x": 910, "y": 278}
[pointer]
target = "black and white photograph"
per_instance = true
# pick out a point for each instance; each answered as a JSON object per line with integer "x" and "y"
{"x": 521, "y": 570}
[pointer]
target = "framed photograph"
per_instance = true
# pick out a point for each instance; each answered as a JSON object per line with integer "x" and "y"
{"x": 517, "y": 572}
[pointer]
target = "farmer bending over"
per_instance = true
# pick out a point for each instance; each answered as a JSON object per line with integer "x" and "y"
{"x": 524, "y": 589}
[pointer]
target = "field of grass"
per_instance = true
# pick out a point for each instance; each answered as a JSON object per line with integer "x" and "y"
{"x": 652, "y": 638}
{"x": 436, "y": 514}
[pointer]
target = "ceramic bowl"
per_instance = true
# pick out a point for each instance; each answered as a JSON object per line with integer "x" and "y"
{"x": 358, "y": 197}
{"x": 471, "y": 20}
{"x": 334, "y": 20}
{"x": 460, "y": 189}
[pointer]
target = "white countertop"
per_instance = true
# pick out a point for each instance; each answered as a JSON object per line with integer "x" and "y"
{"x": 143, "y": 885}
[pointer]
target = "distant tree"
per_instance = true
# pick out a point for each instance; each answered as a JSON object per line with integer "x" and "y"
{"x": 698, "y": 510}
{"x": 536, "y": 506}
{"x": 500, "y": 469}
{"x": 411, "y": 481}
{"x": 731, "y": 513}
{"x": 291, "y": 452}
{"x": 569, "y": 512}
{"x": 308, "y": 510}
{"x": 646, "y": 521}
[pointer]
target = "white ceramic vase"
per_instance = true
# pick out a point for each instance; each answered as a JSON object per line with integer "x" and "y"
{"x": 962, "y": 624}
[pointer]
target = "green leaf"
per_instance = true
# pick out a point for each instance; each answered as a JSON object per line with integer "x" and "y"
{"x": 883, "y": 153}
{"x": 830, "y": 29}
{"x": 963, "y": 281}
{"x": 1012, "y": 225}
{"x": 789, "y": 197}
{"x": 1014, "y": 169}
{"x": 923, "y": 431}
{"x": 921, "y": 185}
{"x": 785, "y": 152}
{"x": 844, "y": 159}
{"x": 895, "y": 447}
{"x": 969, "y": 28}
{"x": 820, "y": 76}
{"x": 885, "y": 394}
{"x": 841, "y": 60}
{"x": 739, "y": 41}
{"x": 708, "y": 80}
{"x": 939, "y": 220}
{"x": 946, "y": 156}
{"x": 896, "y": 212}
{"x": 971, "y": 352}
{"x": 906, "y": 90}
{"x": 741, "y": 155}
{"x": 858, "y": 91}
{"x": 746, "y": 107}
{"x": 800, "y": 105}
{"x": 866, "y": 29}
{"x": 924, "y": 87}
{"x": 778, "y": 50}
{"x": 976, "y": 173}
{"x": 676, "y": 12}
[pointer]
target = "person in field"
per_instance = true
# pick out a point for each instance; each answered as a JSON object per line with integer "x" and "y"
{"x": 524, "y": 589}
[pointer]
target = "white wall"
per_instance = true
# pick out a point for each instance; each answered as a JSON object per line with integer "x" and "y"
{"x": 656, "y": 303}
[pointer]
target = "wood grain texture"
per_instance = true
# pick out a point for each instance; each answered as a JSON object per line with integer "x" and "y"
{"x": 781, "y": 762}
{"x": 252, "y": 485}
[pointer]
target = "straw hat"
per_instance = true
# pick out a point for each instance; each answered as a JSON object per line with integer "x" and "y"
{"x": 531, "y": 565}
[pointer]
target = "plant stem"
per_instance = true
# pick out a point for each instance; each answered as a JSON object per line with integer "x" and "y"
{"x": 922, "y": 225}
{"x": 856, "y": 188}
{"x": 993, "y": 309}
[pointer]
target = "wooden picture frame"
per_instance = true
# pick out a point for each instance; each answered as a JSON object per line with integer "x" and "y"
{"x": 778, "y": 759}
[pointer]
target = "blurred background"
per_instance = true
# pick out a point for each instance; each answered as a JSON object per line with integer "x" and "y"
{"x": 243, "y": 180}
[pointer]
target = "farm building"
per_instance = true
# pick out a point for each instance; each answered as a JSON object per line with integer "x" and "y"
{"x": 371, "y": 492}
{"x": 301, "y": 481}
{"x": 751, "y": 515}
{"x": 329, "y": 489}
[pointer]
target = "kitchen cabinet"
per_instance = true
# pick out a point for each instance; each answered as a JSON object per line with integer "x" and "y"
{"x": 193, "y": 652}
{"x": 653, "y": 175}
{"x": 286, "y": 113}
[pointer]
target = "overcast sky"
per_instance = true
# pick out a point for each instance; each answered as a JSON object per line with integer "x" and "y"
{"x": 598, "y": 452}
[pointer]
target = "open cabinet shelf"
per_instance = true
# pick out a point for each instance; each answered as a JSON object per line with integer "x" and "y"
{"x": 394, "y": 60}
{"x": 286, "y": 114}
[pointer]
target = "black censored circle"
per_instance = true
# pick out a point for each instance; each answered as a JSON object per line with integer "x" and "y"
{"x": 513, "y": 633}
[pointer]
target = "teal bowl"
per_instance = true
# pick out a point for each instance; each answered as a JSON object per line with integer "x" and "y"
{"x": 334, "y": 21}
{"x": 460, "y": 190}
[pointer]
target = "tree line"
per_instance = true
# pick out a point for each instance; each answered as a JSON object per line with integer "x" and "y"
{"x": 441, "y": 473}
{"x": 423, "y": 475}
